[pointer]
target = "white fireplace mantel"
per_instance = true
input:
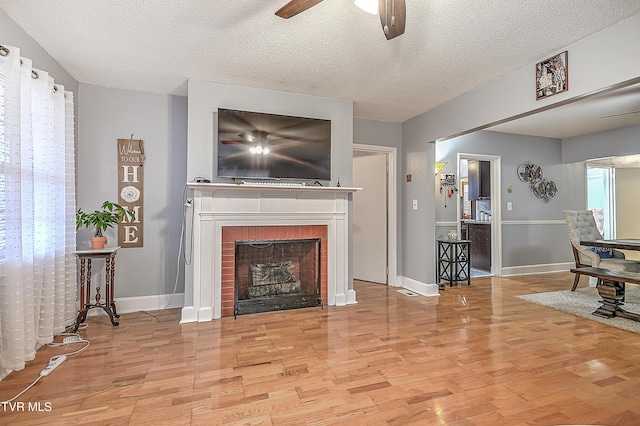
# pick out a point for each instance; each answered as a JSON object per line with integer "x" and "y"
{"x": 217, "y": 205}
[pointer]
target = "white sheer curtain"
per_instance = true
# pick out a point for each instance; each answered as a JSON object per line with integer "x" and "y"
{"x": 37, "y": 210}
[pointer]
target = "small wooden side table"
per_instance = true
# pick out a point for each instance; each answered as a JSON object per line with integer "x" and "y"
{"x": 109, "y": 306}
{"x": 454, "y": 261}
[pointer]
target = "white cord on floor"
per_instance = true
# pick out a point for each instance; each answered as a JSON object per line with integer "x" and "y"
{"x": 77, "y": 339}
{"x": 25, "y": 389}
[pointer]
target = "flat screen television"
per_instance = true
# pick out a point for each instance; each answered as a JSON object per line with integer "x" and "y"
{"x": 270, "y": 146}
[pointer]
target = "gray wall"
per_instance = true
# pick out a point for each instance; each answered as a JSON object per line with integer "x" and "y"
{"x": 13, "y": 35}
{"x": 418, "y": 230}
{"x": 503, "y": 98}
{"x": 514, "y": 93}
{"x": 383, "y": 133}
{"x": 513, "y": 150}
{"x": 205, "y": 97}
{"x": 612, "y": 143}
{"x": 106, "y": 115}
{"x": 103, "y": 116}
{"x": 531, "y": 232}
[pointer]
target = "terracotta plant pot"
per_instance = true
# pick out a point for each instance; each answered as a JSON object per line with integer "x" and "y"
{"x": 98, "y": 242}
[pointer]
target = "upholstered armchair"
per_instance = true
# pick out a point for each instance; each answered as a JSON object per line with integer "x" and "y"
{"x": 582, "y": 227}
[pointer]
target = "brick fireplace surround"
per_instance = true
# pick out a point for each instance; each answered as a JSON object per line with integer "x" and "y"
{"x": 242, "y": 212}
{"x": 231, "y": 234}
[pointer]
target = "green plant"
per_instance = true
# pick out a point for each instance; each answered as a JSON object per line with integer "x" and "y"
{"x": 109, "y": 215}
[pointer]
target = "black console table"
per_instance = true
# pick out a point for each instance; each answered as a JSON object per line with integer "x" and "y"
{"x": 454, "y": 261}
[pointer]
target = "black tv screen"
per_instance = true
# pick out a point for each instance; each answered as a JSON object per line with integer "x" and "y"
{"x": 271, "y": 146}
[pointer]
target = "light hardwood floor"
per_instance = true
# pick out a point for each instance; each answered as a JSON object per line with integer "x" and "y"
{"x": 473, "y": 356}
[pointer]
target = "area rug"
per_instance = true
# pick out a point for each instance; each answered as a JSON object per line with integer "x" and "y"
{"x": 585, "y": 300}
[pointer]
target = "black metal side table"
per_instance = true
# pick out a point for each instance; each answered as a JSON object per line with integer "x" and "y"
{"x": 454, "y": 261}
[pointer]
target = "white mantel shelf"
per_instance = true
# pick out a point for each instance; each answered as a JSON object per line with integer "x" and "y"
{"x": 217, "y": 205}
{"x": 250, "y": 187}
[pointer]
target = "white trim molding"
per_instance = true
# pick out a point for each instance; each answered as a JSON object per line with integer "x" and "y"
{"x": 428, "y": 290}
{"x": 127, "y": 305}
{"x": 392, "y": 204}
{"x": 496, "y": 203}
{"x": 547, "y": 268}
{"x": 534, "y": 222}
{"x": 448, "y": 224}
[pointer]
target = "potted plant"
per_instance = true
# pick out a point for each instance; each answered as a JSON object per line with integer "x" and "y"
{"x": 109, "y": 215}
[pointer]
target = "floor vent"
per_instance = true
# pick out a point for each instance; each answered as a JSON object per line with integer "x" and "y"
{"x": 408, "y": 293}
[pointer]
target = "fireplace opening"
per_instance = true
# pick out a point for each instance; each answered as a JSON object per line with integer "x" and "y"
{"x": 277, "y": 275}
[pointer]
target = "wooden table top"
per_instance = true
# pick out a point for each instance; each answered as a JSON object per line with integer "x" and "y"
{"x": 621, "y": 244}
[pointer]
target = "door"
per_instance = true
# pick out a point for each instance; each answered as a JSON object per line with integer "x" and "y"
{"x": 370, "y": 218}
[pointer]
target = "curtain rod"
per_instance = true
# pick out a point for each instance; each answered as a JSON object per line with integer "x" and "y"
{"x": 4, "y": 51}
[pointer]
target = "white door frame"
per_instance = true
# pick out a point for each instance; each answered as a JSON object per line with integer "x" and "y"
{"x": 496, "y": 214}
{"x": 392, "y": 206}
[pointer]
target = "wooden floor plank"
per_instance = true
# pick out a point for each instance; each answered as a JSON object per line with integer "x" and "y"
{"x": 475, "y": 355}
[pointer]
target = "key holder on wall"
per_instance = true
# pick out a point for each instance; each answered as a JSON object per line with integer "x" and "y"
{"x": 448, "y": 184}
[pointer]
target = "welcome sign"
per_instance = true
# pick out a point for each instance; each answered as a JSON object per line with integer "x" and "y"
{"x": 131, "y": 191}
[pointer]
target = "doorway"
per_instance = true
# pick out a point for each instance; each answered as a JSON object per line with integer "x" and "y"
{"x": 494, "y": 218}
{"x": 375, "y": 214}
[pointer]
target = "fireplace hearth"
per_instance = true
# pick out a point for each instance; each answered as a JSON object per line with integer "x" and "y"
{"x": 277, "y": 275}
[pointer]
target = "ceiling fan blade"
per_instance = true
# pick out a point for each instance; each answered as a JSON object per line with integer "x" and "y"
{"x": 231, "y": 142}
{"x": 294, "y": 7}
{"x": 393, "y": 15}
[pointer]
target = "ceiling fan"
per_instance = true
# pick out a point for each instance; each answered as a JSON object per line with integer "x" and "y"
{"x": 392, "y": 14}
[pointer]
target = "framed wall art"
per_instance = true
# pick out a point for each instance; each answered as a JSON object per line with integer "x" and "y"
{"x": 552, "y": 76}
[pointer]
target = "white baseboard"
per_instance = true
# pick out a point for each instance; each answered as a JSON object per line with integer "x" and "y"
{"x": 395, "y": 281}
{"x": 126, "y": 305}
{"x": 547, "y": 268}
{"x": 351, "y": 297}
{"x": 420, "y": 288}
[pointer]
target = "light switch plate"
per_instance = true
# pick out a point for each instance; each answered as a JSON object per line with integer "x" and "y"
{"x": 415, "y": 204}
{"x": 509, "y": 205}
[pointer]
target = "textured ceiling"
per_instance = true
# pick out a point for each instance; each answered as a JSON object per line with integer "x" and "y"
{"x": 333, "y": 49}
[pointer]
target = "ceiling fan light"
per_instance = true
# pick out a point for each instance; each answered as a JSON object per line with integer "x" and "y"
{"x": 369, "y": 6}
{"x": 265, "y": 150}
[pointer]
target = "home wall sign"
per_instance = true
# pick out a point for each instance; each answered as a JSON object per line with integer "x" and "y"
{"x": 540, "y": 186}
{"x": 131, "y": 191}
{"x": 552, "y": 76}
